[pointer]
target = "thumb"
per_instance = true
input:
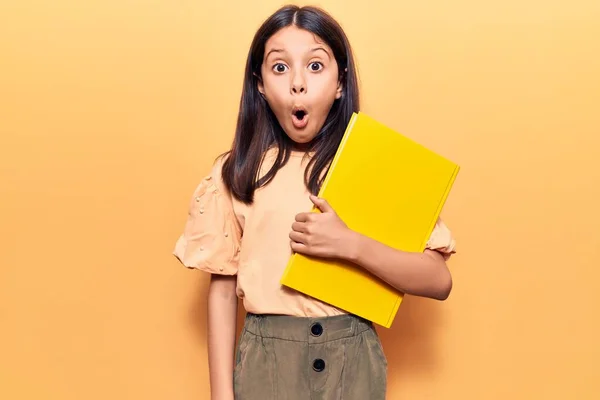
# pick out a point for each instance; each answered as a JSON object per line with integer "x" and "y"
{"x": 322, "y": 204}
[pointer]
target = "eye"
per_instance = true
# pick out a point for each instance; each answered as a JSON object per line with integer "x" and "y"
{"x": 315, "y": 66}
{"x": 279, "y": 68}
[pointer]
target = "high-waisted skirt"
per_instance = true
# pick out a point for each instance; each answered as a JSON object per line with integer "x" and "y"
{"x": 296, "y": 358}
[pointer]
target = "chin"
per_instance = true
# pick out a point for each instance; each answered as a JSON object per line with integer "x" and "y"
{"x": 299, "y": 137}
{"x": 302, "y": 140}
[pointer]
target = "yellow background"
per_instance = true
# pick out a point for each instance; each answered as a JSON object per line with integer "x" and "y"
{"x": 111, "y": 111}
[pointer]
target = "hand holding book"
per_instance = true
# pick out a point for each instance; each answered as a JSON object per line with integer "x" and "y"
{"x": 320, "y": 234}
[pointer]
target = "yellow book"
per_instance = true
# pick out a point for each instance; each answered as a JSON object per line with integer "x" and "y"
{"x": 387, "y": 187}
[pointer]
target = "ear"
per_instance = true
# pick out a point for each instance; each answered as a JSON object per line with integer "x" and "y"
{"x": 340, "y": 88}
{"x": 259, "y": 84}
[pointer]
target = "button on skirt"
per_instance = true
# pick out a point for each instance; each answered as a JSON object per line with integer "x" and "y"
{"x": 293, "y": 358}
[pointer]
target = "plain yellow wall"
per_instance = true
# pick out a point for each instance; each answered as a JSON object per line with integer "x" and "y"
{"x": 111, "y": 111}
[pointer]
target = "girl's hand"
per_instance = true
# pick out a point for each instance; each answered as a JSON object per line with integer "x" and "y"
{"x": 320, "y": 234}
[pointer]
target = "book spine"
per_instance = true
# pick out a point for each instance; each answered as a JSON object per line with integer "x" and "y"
{"x": 292, "y": 259}
{"x": 394, "y": 311}
{"x": 337, "y": 156}
{"x": 438, "y": 211}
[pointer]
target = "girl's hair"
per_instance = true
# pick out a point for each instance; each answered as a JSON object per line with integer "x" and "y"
{"x": 257, "y": 127}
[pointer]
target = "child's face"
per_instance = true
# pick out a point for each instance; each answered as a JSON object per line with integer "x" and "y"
{"x": 299, "y": 81}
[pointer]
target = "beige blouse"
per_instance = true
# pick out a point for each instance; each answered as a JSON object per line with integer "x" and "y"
{"x": 224, "y": 236}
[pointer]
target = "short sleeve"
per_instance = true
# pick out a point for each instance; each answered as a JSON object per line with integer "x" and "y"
{"x": 441, "y": 240}
{"x": 211, "y": 237}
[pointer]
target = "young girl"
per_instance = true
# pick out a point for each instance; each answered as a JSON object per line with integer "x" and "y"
{"x": 251, "y": 212}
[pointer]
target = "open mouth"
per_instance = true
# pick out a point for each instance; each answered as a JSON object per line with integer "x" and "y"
{"x": 299, "y": 114}
{"x": 299, "y": 117}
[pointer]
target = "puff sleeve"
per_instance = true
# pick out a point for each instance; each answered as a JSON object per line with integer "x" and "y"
{"x": 441, "y": 240}
{"x": 211, "y": 237}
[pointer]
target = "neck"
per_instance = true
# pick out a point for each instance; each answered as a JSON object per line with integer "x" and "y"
{"x": 303, "y": 147}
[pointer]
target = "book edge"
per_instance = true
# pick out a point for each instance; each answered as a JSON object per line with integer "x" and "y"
{"x": 336, "y": 157}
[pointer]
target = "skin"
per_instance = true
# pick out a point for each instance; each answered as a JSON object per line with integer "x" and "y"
{"x": 325, "y": 235}
{"x": 299, "y": 70}
{"x": 222, "y": 313}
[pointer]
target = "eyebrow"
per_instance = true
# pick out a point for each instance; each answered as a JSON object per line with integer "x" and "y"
{"x": 321, "y": 48}
{"x": 276, "y": 50}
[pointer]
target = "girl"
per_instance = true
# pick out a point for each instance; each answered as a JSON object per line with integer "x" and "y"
{"x": 249, "y": 214}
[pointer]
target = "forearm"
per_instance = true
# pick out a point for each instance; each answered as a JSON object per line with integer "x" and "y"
{"x": 222, "y": 317}
{"x": 420, "y": 274}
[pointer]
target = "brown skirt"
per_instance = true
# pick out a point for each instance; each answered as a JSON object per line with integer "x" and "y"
{"x": 293, "y": 358}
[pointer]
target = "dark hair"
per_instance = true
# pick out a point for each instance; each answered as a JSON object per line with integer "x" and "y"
{"x": 257, "y": 127}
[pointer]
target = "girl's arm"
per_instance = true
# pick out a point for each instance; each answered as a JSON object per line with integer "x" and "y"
{"x": 420, "y": 274}
{"x": 222, "y": 317}
{"x": 326, "y": 235}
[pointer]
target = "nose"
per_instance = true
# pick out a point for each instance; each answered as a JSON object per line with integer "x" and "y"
{"x": 298, "y": 84}
{"x": 298, "y": 88}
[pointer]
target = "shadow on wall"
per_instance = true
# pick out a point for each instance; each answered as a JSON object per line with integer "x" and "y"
{"x": 409, "y": 343}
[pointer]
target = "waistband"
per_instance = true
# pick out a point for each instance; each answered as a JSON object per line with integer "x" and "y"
{"x": 306, "y": 329}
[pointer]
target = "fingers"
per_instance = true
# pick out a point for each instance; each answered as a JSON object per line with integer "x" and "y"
{"x": 297, "y": 237}
{"x": 322, "y": 204}
{"x": 299, "y": 248}
{"x": 300, "y": 227}
{"x": 304, "y": 217}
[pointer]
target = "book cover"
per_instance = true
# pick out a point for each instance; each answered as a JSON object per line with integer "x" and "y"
{"x": 387, "y": 187}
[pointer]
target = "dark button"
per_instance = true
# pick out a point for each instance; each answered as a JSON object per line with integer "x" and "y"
{"x": 316, "y": 329}
{"x": 318, "y": 365}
